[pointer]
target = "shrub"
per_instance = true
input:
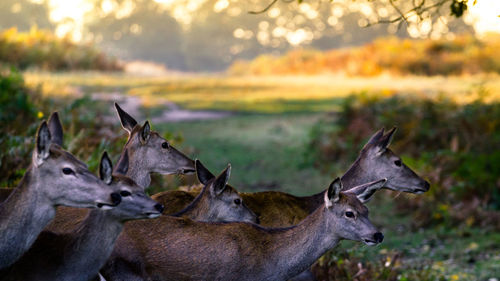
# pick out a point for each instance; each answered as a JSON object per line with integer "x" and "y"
{"x": 21, "y": 111}
{"x": 42, "y": 49}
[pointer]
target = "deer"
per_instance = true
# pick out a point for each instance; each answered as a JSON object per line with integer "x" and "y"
{"x": 183, "y": 249}
{"x": 217, "y": 202}
{"x": 144, "y": 153}
{"x": 147, "y": 152}
{"x": 278, "y": 209}
{"x": 54, "y": 178}
{"x": 80, "y": 254}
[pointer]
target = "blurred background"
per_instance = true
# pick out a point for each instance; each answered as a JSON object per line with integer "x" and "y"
{"x": 288, "y": 92}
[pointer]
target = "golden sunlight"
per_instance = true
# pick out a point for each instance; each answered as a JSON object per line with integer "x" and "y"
{"x": 70, "y": 16}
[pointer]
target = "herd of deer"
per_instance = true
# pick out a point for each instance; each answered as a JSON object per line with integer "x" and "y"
{"x": 209, "y": 233}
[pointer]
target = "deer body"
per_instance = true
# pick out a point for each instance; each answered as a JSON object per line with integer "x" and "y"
{"x": 78, "y": 255}
{"x": 54, "y": 178}
{"x": 182, "y": 249}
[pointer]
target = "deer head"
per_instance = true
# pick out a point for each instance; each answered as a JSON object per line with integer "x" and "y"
{"x": 63, "y": 179}
{"x": 135, "y": 204}
{"x": 348, "y": 217}
{"x": 223, "y": 202}
{"x": 148, "y": 152}
{"x": 380, "y": 162}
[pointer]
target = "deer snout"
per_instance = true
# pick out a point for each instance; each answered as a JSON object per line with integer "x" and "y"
{"x": 159, "y": 207}
{"x": 116, "y": 198}
{"x": 374, "y": 239}
{"x": 424, "y": 187}
{"x": 379, "y": 237}
{"x": 427, "y": 185}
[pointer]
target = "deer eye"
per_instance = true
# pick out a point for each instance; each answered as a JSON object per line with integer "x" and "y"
{"x": 67, "y": 171}
{"x": 237, "y": 201}
{"x": 349, "y": 214}
{"x": 165, "y": 145}
{"x": 397, "y": 163}
{"x": 125, "y": 193}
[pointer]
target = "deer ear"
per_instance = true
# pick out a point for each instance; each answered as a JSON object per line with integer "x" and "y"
{"x": 128, "y": 123}
{"x": 43, "y": 141}
{"x": 145, "y": 133}
{"x": 122, "y": 165}
{"x": 203, "y": 174}
{"x": 384, "y": 141}
{"x": 375, "y": 138}
{"x": 56, "y": 129}
{"x": 365, "y": 191}
{"x": 220, "y": 183}
{"x": 106, "y": 169}
{"x": 332, "y": 195}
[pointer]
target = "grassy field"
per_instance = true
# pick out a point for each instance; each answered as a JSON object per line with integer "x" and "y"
{"x": 264, "y": 94}
{"x": 266, "y": 140}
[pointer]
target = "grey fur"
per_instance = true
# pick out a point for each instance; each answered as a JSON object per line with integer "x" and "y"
{"x": 127, "y": 121}
{"x": 217, "y": 201}
{"x": 365, "y": 191}
{"x": 376, "y": 161}
{"x": 31, "y": 205}
{"x": 56, "y": 129}
{"x": 145, "y": 154}
{"x": 79, "y": 255}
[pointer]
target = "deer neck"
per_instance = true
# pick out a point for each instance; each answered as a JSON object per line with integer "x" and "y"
{"x": 296, "y": 248}
{"x": 139, "y": 174}
{"x": 355, "y": 175}
{"x": 22, "y": 217}
{"x": 197, "y": 209}
{"x": 91, "y": 245}
{"x": 136, "y": 170}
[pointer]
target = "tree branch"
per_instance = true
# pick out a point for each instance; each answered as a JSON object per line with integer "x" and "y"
{"x": 265, "y": 9}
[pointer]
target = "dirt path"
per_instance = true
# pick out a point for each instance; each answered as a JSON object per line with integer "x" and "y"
{"x": 173, "y": 113}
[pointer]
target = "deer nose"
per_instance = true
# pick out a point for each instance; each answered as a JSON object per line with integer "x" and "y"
{"x": 159, "y": 207}
{"x": 427, "y": 185}
{"x": 116, "y": 198}
{"x": 379, "y": 237}
{"x": 257, "y": 220}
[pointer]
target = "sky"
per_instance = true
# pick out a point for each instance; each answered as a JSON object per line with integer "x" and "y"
{"x": 70, "y": 16}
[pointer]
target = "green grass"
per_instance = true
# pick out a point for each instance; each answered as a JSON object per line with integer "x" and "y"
{"x": 265, "y": 151}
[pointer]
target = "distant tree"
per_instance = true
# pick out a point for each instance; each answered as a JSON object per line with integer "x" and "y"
{"x": 147, "y": 33}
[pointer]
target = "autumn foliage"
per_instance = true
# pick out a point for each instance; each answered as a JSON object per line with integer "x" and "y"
{"x": 460, "y": 56}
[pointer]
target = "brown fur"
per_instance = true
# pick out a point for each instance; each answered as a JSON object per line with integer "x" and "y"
{"x": 182, "y": 249}
{"x": 174, "y": 200}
